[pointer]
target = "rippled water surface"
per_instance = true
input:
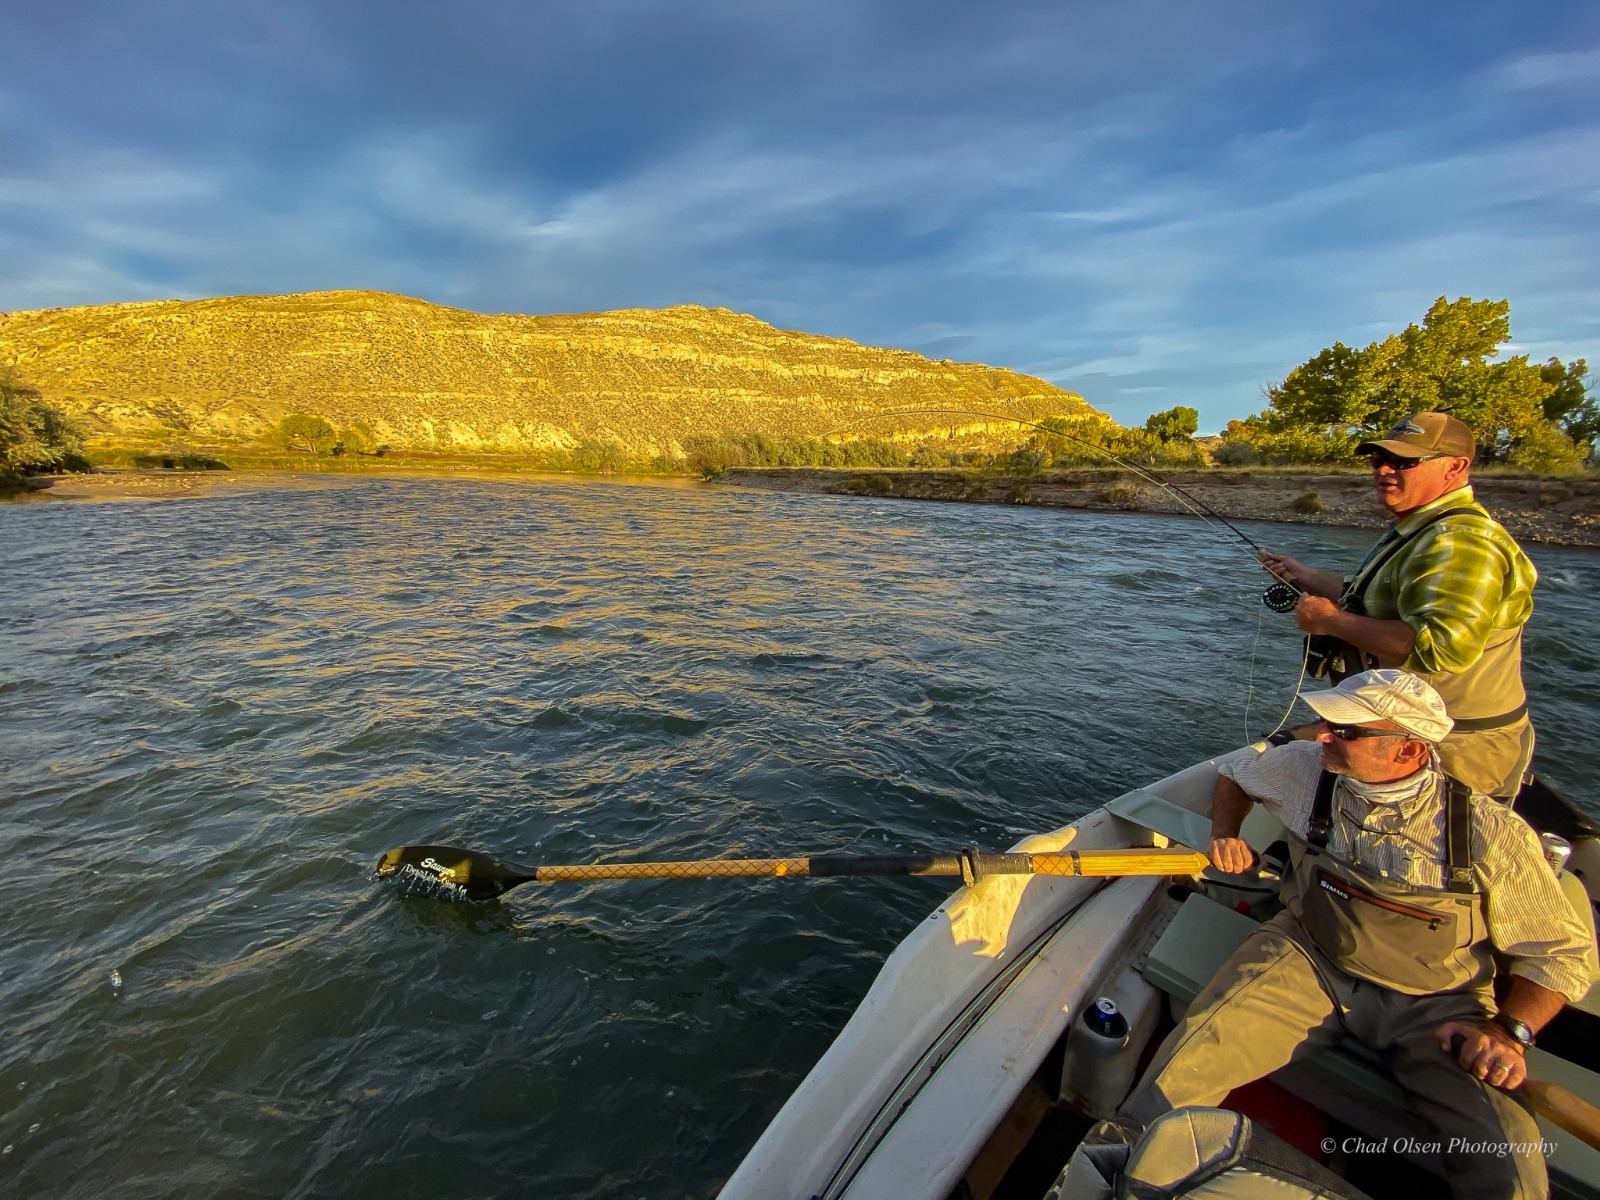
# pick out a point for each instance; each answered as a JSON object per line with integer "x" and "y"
{"x": 216, "y": 713}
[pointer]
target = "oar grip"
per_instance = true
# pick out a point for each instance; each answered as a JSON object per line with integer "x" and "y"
{"x": 1139, "y": 860}
{"x": 1000, "y": 864}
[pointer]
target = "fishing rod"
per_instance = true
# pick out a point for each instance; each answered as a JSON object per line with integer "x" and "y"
{"x": 1280, "y": 596}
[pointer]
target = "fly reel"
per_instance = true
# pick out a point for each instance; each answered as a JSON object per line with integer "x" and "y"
{"x": 1281, "y": 597}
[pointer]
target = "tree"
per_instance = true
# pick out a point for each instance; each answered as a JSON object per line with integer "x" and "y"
{"x": 1500, "y": 401}
{"x": 1025, "y": 460}
{"x": 598, "y": 454}
{"x": 313, "y": 434}
{"x": 1341, "y": 396}
{"x": 1083, "y": 438}
{"x": 1569, "y": 404}
{"x": 358, "y": 439}
{"x": 1329, "y": 393}
{"x": 1177, "y": 422}
{"x": 34, "y": 437}
{"x": 1545, "y": 449}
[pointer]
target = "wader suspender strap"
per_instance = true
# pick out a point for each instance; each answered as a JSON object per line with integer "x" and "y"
{"x": 1320, "y": 828}
{"x": 1386, "y": 549}
{"x": 1457, "y": 830}
{"x": 1458, "y": 837}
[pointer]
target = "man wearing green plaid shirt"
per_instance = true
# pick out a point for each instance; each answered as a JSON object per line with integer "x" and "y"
{"x": 1444, "y": 594}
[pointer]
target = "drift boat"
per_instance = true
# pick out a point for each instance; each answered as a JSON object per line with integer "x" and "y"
{"x": 980, "y": 1056}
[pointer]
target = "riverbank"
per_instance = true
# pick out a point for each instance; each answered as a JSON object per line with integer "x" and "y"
{"x": 155, "y": 484}
{"x": 159, "y": 483}
{"x": 1555, "y": 512}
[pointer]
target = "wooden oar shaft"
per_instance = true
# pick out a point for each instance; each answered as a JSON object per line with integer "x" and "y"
{"x": 1561, "y": 1108}
{"x": 711, "y": 868}
{"x": 1135, "y": 861}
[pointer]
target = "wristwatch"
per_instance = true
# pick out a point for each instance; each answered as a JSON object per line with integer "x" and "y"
{"x": 1519, "y": 1032}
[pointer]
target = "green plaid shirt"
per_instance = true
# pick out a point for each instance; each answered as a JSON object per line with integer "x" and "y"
{"x": 1455, "y": 584}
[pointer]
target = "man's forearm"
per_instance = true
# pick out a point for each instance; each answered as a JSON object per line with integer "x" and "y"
{"x": 1319, "y": 582}
{"x": 1230, "y": 804}
{"x": 1532, "y": 1004}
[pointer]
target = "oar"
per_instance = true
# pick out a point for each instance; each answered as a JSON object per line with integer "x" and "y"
{"x": 455, "y": 874}
{"x": 1560, "y": 1107}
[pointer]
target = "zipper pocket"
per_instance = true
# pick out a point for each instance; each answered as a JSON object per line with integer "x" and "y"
{"x": 1345, "y": 891}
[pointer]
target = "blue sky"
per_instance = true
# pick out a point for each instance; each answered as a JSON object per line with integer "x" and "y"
{"x": 1153, "y": 202}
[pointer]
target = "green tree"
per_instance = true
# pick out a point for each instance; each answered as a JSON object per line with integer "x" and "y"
{"x": 1026, "y": 460}
{"x": 599, "y": 454}
{"x": 1545, "y": 449}
{"x": 1500, "y": 401}
{"x": 1083, "y": 438}
{"x": 1329, "y": 393}
{"x": 1342, "y": 396}
{"x": 1569, "y": 403}
{"x": 298, "y": 431}
{"x": 709, "y": 456}
{"x": 358, "y": 439}
{"x": 34, "y": 437}
{"x": 1179, "y": 422}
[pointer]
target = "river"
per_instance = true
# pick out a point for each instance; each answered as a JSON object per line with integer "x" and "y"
{"x": 216, "y": 713}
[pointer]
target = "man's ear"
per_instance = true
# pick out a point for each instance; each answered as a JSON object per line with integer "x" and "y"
{"x": 1413, "y": 750}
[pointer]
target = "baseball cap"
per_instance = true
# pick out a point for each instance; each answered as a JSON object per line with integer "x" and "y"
{"x": 1426, "y": 433}
{"x": 1385, "y": 695}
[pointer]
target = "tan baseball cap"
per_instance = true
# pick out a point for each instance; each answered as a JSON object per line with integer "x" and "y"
{"x": 1385, "y": 695}
{"x": 1426, "y": 433}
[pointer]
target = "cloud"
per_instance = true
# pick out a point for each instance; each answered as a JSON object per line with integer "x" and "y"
{"x": 1581, "y": 67}
{"x": 1150, "y": 203}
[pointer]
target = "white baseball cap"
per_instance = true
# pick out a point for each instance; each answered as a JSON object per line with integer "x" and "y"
{"x": 1385, "y": 695}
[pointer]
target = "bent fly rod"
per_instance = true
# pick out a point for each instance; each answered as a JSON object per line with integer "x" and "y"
{"x": 1280, "y": 596}
{"x": 451, "y": 873}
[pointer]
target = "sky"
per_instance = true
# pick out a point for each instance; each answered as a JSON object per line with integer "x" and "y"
{"x": 1151, "y": 202}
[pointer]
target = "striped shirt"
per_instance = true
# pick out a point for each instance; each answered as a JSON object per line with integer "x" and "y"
{"x": 1397, "y": 831}
{"x": 1455, "y": 584}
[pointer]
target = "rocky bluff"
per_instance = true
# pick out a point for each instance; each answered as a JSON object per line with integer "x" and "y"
{"x": 223, "y": 372}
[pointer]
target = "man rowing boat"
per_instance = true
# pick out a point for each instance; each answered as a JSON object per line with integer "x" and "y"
{"x": 1404, "y": 887}
{"x": 1444, "y": 593}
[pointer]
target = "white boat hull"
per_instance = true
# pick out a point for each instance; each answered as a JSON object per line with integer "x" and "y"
{"x": 957, "y": 1021}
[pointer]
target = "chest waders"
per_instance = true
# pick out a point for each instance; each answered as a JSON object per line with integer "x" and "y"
{"x": 1410, "y": 939}
{"x": 1486, "y": 695}
{"x": 1336, "y": 658}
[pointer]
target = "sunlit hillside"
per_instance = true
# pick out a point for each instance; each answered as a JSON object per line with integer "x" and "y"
{"x": 222, "y": 373}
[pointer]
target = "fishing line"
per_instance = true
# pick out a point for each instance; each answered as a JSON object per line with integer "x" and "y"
{"x": 1249, "y": 688}
{"x": 1280, "y": 596}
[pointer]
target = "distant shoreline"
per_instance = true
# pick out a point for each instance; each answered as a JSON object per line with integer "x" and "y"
{"x": 1553, "y": 512}
{"x": 159, "y": 483}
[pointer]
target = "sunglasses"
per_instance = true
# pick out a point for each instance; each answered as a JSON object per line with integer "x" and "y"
{"x": 1352, "y": 733}
{"x": 1382, "y": 458}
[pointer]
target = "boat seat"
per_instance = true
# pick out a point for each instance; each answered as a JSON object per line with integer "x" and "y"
{"x": 1349, "y": 1081}
{"x": 1194, "y": 946}
{"x": 1146, "y": 809}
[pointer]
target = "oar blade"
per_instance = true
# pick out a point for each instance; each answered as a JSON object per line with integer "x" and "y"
{"x": 450, "y": 873}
